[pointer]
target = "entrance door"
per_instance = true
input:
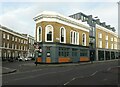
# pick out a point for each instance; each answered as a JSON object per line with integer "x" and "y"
{"x": 92, "y": 55}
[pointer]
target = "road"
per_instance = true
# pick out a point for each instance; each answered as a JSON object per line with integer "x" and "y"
{"x": 101, "y": 73}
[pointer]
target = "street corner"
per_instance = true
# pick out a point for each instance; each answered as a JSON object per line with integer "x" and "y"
{"x": 6, "y": 70}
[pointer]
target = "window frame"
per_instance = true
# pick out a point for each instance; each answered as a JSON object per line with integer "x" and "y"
{"x": 4, "y": 35}
{"x": 64, "y": 34}
{"x": 46, "y": 33}
{"x": 71, "y": 37}
{"x": 39, "y": 39}
{"x": 8, "y": 36}
{"x": 84, "y": 44}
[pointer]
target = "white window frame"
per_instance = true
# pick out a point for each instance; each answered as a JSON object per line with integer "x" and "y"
{"x": 106, "y": 37}
{"x": 12, "y": 46}
{"x": 15, "y": 46}
{"x": 115, "y": 45}
{"x": 106, "y": 44}
{"x": 111, "y": 38}
{"x": 4, "y": 35}
{"x": 100, "y": 43}
{"x": 99, "y": 35}
{"x": 112, "y": 45}
{"x": 13, "y": 38}
{"x": 115, "y": 39}
{"x": 8, "y": 36}
{"x": 74, "y": 39}
{"x": 77, "y": 38}
{"x": 8, "y": 45}
{"x": 38, "y": 37}
{"x": 84, "y": 44}
{"x": 46, "y": 33}
{"x": 16, "y": 39}
{"x": 64, "y": 34}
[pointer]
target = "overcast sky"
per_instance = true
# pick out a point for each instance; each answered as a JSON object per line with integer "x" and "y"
{"x": 18, "y": 16}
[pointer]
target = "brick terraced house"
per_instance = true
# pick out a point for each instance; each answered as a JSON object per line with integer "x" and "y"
{"x": 12, "y": 44}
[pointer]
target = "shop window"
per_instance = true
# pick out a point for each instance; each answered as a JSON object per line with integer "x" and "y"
{"x": 74, "y": 52}
{"x": 83, "y": 52}
{"x": 64, "y": 52}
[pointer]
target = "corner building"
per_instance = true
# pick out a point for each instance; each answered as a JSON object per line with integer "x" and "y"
{"x": 60, "y": 39}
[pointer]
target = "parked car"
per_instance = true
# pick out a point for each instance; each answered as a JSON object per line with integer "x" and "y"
{"x": 27, "y": 59}
{"x": 21, "y": 59}
{"x": 10, "y": 59}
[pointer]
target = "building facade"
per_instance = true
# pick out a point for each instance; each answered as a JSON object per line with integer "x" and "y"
{"x": 31, "y": 49}
{"x": 30, "y": 42}
{"x": 104, "y": 42}
{"x": 78, "y": 37}
{"x": 61, "y": 39}
{"x": 12, "y": 44}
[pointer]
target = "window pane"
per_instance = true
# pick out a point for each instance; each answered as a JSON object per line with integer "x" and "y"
{"x": 74, "y": 38}
{"x": 39, "y": 34}
{"x": 62, "y": 35}
{"x": 71, "y": 36}
{"x": 49, "y": 33}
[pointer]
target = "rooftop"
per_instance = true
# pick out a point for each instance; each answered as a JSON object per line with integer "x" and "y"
{"x": 83, "y": 24}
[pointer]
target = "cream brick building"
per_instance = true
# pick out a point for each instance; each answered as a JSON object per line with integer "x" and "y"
{"x": 73, "y": 39}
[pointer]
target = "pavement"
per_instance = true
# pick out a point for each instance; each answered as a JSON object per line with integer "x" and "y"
{"x": 6, "y": 70}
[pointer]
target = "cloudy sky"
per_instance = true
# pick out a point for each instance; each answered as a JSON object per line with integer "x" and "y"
{"x": 19, "y": 15}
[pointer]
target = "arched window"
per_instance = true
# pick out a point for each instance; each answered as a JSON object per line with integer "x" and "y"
{"x": 62, "y": 35}
{"x": 39, "y": 34}
{"x": 74, "y": 37}
{"x": 49, "y": 33}
{"x": 84, "y": 39}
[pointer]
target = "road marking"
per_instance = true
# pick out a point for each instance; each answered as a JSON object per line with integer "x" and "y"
{"x": 69, "y": 81}
{"x": 66, "y": 83}
{"x": 93, "y": 73}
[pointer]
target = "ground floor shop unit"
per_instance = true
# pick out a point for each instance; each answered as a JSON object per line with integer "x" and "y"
{"x": 61, "y": 53}
{"x": 107, "y": 54}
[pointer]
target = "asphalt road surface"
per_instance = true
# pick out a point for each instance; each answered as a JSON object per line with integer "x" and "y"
{"x": 101, "y": 73}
